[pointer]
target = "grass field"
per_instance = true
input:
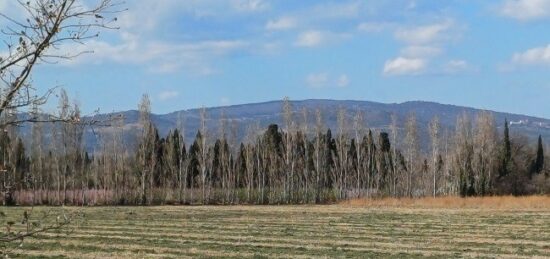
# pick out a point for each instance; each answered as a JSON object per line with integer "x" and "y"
{"x": 344, "y": 230}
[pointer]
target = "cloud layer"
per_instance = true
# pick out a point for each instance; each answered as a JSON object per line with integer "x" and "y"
{"x": 195, "y": 37}
{"x": 404, "y": 66}
{"x": 324, "y": 80}
{"x": 526, "y": 9}
{"x": 534, "y": 56}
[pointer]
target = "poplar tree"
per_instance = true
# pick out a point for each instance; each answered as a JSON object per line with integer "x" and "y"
{"x": 412, "y": 146}
{"x": 434, "y": 128}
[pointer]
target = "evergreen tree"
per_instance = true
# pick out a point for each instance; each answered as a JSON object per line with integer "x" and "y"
{"x": 20, "y": 165}
{"x": 273, "y": 139}
{"x": 216, "y": 162}
{"x": 384, "y": 161}
{"x": 506, "y": 151}
{"x": 241, "y": 167}
{"x": 538, "y": 163}
{"x": 507, "y": 143}
{"x": 193, "y": 157}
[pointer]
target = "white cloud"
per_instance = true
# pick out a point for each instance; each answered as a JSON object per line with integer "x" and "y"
{"x": 424, "y": 34}
{"x": 534, "y": 56}
{"x": 373, "y": 26}
{"x": 310, "y": 39}
{"x": 269, "y": 48}
{"x": 343, "y": 81}
{"x": 250, "y": 5}
{"x": 160, "y": 57}
{"x": 146, "y": 16}
{"x": 323, "y": 80}
{"x": 318, "y": 15}
{"x": 337, "y": 10}
{"x": 167, "y": 95}
{"x": 420, "y": 51}
{"x": 526, "y": 9}
{"x": 423, "y": 45}
{"x": 142, "y": 41}
{"x": 283, "y": 23}
{"x": 456, "y": 66}
{"x": 316, "y": 38}
{"x": 404, "y": 66}
{"x": 165, "y": 68}
{"x": 317, "y": 80}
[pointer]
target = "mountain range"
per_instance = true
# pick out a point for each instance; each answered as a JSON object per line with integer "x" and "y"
{"x": 377, "y": 116}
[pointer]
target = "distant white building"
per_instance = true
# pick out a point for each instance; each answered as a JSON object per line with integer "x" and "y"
{"x": 520, "y": 122}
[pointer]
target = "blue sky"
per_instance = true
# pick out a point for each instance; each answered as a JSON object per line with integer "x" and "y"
{"x": 192, "y": 53}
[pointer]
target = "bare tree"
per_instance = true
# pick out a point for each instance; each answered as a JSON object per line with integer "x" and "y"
{"x": 320, "y": 155}
{"x": 341, "y": 170}
{"x": 64, "y": 112}
{"x": 37, "y": 159}
{"x": 146, "y": 150}
{"x": 411, "y": 142}
{"x": 183, "y": 162}
{"x": 307, "y": 154}
{"x": 464, "y": 181}
{"x": 39, "y": 36}
{"x": 447, "y": 171}
{"x": 485, "y": 151}
{"x": 395, "y": 172}
{"x": 203, "y": 156}
{"x": 250, "y": 162}
{"x": 434, "y": 128}
{"x": 119, "y": 157}
{"x": 359, "y": 169}
{"x": 289, "y": 150}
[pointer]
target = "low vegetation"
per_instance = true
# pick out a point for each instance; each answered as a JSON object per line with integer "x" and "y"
{"x": 342, "y": 230}
{"x": 453, "y": 202}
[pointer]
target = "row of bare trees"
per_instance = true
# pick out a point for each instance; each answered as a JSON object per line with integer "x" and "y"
{"x": 290, "y": 165}
{"x": 293, "y": 164}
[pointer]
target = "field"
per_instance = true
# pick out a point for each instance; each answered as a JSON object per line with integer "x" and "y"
{"x": 382, "y": 229}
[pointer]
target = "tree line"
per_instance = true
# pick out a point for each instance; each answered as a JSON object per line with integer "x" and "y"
{"x": 294, "y": 163}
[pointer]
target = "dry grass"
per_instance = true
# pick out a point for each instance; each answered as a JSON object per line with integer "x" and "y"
{"x": 453, "y": 202}
{"x": 313, "y": 231}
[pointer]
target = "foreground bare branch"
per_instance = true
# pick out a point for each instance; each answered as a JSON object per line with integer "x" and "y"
{"x": 39, "y": 37}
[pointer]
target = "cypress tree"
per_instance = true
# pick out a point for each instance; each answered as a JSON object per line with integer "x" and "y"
{"x": 384, "y": 142}
{"x": 273, "y": 139}
{"x": 507, "y": 144}
{"x": 382, "y": 162}
{"x": 506, "y": 151}
{"x": 352, "y": 156}
{"x": 193, "y": 156}
{"x": 21, "y": 164}
{"x": 241, "y": 167}
{"x": 538, "y": 164}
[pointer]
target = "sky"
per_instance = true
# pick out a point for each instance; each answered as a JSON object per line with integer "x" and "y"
{"x": 193, "y": 53}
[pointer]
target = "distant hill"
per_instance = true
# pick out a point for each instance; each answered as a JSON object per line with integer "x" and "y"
{"x": 377, "y": 116}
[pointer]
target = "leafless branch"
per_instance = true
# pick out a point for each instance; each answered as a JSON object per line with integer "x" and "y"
{"x": 39, "y": 36}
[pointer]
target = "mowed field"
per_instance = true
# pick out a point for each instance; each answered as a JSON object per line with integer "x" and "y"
{"x": 302, "y": 231}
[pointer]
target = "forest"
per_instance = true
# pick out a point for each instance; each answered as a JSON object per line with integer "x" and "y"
{"x": 283, "y": 164}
